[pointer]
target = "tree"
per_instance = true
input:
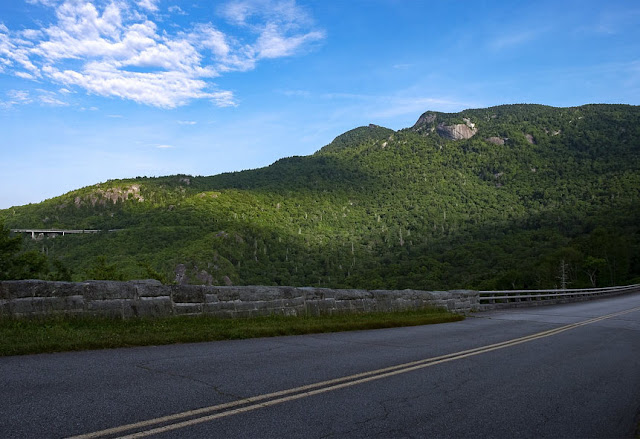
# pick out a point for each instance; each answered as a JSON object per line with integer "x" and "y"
{"x": 101, "y": 270}
{"x": 29, "y": 265}
{"x": 593, "y": 267}
{"x": 9, "y": 248}
{"x": 16, "y": 264}
{"x": 62, "y": 272}
{"x": 151, "y": 273}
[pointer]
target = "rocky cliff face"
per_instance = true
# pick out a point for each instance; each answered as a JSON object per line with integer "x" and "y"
{"x": 113, "y": 195}
{"x": 456, "y": 132}
{"x": 425, "y": 119}
{"x": 428, "y": 123}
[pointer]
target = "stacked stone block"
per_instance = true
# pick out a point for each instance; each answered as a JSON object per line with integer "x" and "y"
{"x": 149, "y": 298}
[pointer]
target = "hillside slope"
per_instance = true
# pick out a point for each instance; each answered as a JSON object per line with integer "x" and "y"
{"x": 515, "y": 196}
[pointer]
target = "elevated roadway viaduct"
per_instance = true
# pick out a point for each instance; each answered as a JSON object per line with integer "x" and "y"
{"x": 44, "y": 233}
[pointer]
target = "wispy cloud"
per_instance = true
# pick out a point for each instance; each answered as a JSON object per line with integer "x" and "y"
{"x": 612, "y": 22}
{"x": 16, "y": 97}
{"x": 401, "y": 106}
{"x": 151, "y": 5}
{"x": 272, "y": 43}
{"x": 43, "y": 2}
{"x": 296, "y": 93}
{"x": 513, "y": 39}
{"x": 19, "y": 95}
{"x": 388, "y": 106}
{"x": 119, "y": 51}
{"x": 51, "y": 99}
{"x": 281, "y": 26}
{"x": 25, "y": 97}
{"x": 164, "y": 146}
{"x": 187, "y": 122}
{"x": 175, "y": 9}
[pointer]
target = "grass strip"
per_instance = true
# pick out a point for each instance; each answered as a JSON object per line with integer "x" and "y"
{"x": 58, "y": 334}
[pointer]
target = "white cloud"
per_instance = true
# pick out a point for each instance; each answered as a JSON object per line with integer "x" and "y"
{"x": 208, "y": 37}
{"x": 237, "y": 12}
{"x": 25, "y": 75}
{"x": 279, "y": 25}
{"x": 164, "y": 146}
{"x": 52, "y": 101}
{"x": 30, "y": 34}
{"x": 115, "y": 50}
{"x": 187, "y": 122}
{"x": 273, "y": 44}
{"x": 255, "y": 12}
{"x": 150, "y": 5}
{"x": 19, "y": 96}
{"x": 222, "y": 99}
{"x": 24, "y": 97}
{"x": 16, "y": 56}
{"x": 164, "y": 89}
{"x": 175, "y": 9}
{"x": 49, "y": 3}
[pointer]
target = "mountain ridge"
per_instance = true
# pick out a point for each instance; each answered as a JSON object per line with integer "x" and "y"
{"x": 383, "y": 208}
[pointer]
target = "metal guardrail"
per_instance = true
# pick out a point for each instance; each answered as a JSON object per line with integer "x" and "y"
{"x": 515, "y": 296}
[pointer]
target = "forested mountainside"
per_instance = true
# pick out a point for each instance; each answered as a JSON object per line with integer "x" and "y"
{"x": 515, "y": 196}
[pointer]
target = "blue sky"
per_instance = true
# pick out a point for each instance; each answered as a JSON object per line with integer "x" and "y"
{"x": 92, "y": 90}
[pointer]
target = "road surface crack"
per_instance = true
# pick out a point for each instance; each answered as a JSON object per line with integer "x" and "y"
{"x": 190, "y": 378}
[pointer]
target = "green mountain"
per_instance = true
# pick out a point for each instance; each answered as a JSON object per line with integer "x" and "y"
{"x": 515, "y": 196}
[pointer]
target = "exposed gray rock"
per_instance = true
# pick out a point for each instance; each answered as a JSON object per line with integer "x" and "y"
{"x": 425, "y": 119}
{"x": 495, "y": 140}
{"x": 181, "y": 274}
{"x": 456, "y": 132}
{"x": 204, "y": 277}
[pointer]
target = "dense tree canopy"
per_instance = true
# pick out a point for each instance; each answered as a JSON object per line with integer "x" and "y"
{"x": 538, "y": 197}
{"x": 16, "y": 263}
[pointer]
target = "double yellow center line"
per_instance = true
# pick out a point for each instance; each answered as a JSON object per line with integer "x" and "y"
{"x": 207, "y": 414}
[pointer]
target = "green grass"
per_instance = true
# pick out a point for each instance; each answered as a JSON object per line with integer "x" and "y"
{"x": 58, "y": 334}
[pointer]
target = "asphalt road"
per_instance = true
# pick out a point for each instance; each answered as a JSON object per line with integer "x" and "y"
{"x": 555, "y": 372}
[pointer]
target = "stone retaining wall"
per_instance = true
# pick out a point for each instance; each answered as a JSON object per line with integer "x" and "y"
{"x": 149, "y": 298}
